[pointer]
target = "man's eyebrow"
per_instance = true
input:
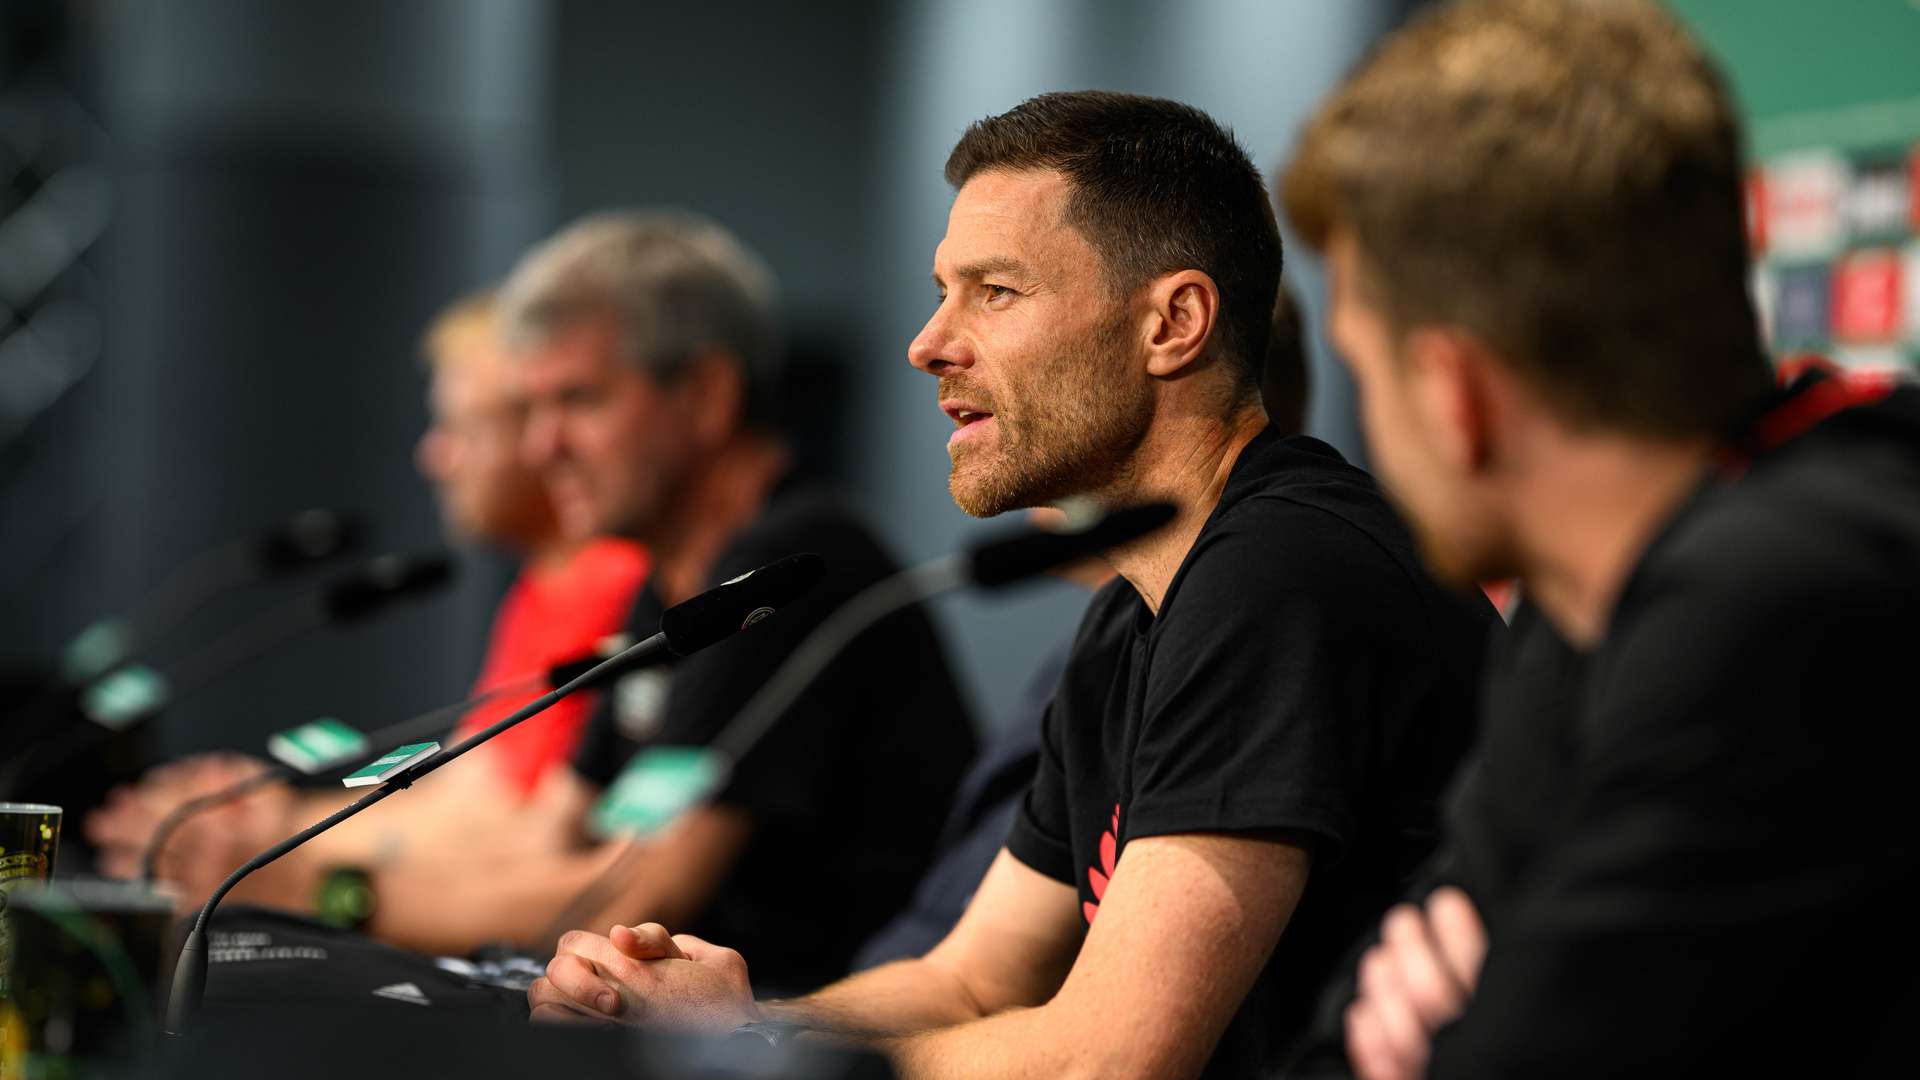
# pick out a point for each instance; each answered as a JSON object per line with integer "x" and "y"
{"x": 974, "y": 271}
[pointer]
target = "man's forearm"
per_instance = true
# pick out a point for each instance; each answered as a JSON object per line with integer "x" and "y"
{"x": 455, "y": 907}
{"x": 1018, "y": 1042}
{"x": 894, "y": 999}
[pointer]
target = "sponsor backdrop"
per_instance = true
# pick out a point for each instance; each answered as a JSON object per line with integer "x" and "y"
{"x": 1831, "y": 93}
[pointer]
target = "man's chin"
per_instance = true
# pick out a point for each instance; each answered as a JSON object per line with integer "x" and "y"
{"x": 977, "y": 497}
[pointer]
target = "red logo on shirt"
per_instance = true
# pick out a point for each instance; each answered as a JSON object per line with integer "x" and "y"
{"x": 1097, "y": 877}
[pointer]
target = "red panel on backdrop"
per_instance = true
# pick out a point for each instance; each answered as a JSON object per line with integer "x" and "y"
{"x": 1866, "y": 296}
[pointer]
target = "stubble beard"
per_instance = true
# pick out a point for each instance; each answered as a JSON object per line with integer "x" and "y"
{"x": 1069, "y": 427}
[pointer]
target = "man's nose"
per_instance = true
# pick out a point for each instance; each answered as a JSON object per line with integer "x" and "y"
{"x": 540, "y": 442}
{"x": 938, "y": 349}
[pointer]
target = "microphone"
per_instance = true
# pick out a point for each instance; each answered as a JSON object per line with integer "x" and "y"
{"x": 732, "y": 606}
{"x": 326, "y": 745}
{"x": 309, "y": 537}
{"x": 684, "y": 629}
{"x": 383, "y": 580}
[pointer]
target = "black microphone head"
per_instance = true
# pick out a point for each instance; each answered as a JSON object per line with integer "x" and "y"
{"x": 309, "y": 537}
{"x": 727, "y": 609}
{"x": 1009, "y": 559}
{"x": 384, "y": 579}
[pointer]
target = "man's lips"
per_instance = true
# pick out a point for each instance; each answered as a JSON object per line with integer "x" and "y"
{"x": 970, "y": 421}
{"x": 963, "y": 413}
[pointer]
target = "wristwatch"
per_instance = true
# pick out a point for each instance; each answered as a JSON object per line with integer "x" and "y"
{"x": 775, "y": 1033}
{"x": 344, "y": 897}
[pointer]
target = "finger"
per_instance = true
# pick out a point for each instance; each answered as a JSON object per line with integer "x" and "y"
{"x": 542, "y": 993}
{"x": 1461, "y": 936}
{"x": 1367, "y": 1051}
{"x": 698, "y": 949}
{"x": 1432, "y": 989}
{"x": 580, "y": 984}
{"x": 1401, "y": 1033}
{"x": 553, "y": 1013}
{"x": 648, "y": 941}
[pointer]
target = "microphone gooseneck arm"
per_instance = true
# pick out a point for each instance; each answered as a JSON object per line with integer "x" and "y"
{"x": 190, "y": 970}
{"x": 179, "y": 815}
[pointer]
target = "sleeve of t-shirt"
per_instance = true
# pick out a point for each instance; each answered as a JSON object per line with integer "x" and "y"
{"x": 1039, "y": 836}
{"x": 1259, "y": 708}
{"x": 1734, "y": 846}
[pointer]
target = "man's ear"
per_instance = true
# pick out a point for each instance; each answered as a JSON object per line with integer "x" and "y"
{"x": 1182, "y": 310}
{"x": 1454, "y": 384}
{"x": 713, "y": 391}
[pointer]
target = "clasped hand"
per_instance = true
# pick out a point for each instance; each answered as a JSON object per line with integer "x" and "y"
{"x": 643, "y": 975}
{"x": 1414, "y": 982}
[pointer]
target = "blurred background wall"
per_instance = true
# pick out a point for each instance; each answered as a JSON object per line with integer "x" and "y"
{"x": 227, "y": 222}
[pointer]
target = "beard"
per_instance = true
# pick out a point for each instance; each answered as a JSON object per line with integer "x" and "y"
{"x": 1066, "y": 426}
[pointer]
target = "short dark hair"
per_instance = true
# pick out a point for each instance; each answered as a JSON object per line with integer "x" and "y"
{"x": 1157, "y": 187}
{"x": 1563, "y": 180}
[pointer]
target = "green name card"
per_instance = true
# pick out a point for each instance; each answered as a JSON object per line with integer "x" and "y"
{"x": 658, "y": 785}
{"x": 385, "y": 768}
{"x": 313, "y": 748}
{"x": 124, "y": 697}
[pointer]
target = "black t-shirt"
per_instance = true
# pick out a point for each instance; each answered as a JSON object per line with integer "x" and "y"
{"x": 847, "y": 791}
{"x": 1303, "y": 675}
{"x": 1693, "y": 846}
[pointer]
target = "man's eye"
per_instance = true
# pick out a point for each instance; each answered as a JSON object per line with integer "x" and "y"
{"x": 995, "y": 292}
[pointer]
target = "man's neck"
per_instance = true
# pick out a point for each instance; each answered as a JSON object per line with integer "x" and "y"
{"x": 1586, "y": 522}
{"x": 1185, "y": 462}
{"x": 724, "y": 493}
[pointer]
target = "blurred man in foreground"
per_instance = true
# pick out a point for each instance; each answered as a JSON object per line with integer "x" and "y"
{"x": 1686, "y": 842}
{"x": 571, "y": 591}
{"x": 1254, "y": 724}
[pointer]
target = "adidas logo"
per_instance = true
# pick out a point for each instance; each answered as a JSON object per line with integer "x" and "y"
{"x": 406, "y": 992}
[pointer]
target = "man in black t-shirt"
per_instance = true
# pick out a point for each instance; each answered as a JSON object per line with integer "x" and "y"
{"x": 1254, "y": 726}
{"x": 1684, "y": 844}
{"x": 644, "y": 347}
{"x": 996, "y": 783}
